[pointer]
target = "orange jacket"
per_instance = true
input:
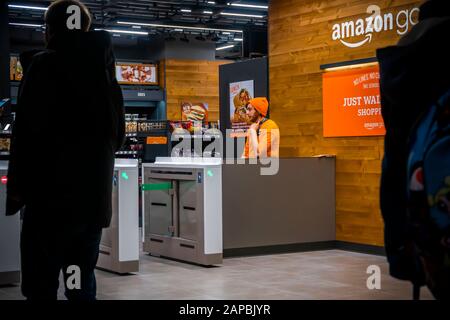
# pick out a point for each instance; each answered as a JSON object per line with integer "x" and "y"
{"x": 268, "y": 141}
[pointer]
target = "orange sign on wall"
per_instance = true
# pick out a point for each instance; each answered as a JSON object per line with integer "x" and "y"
{"x": 351, "y": 103}
{"x": 156, "y": 140}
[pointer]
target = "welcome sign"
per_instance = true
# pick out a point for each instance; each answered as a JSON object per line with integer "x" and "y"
{"x": 351, "y": 103}
{"x": 358, "y": 32}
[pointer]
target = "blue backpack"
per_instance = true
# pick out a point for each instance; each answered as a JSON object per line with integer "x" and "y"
{"x": 429, "y": 196}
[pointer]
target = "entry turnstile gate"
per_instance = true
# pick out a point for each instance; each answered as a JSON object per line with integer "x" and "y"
{"x": 182, "y": 205}
{"x": 9, "y": 236}
{"x": 119, "y": 246}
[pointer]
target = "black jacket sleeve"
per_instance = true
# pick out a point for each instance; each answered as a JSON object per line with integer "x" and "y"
{"x": 26, "y": 126}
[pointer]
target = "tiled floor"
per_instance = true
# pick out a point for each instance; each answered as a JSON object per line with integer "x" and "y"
{"x": 331, "y": 274}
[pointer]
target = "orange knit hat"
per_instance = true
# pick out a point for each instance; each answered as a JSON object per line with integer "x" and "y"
{"x": 261, "y": 105}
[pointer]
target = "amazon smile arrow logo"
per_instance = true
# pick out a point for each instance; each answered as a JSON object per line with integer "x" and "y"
{"x": 376, "y": 22}
{"x": 358, "y": 44}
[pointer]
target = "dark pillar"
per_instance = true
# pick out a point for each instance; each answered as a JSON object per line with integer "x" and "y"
{"x": 4, "y": 51}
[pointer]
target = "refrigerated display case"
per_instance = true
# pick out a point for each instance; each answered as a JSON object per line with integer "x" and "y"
{"x": 140, "y": 138}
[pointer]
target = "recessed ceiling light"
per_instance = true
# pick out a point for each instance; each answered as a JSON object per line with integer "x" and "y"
{"x": 174, "y": 26}
{"x": 186, "y": 10}
{"x": 225, "y": 47}
{"x": 26, "y": 7}
{"x": 26, "y": 25}
{"x": 244, "y": 5}
{"x": 242, "y": 15}
{"x": 238, "y": 39}
{"x": 142, "y": 33}
{"x": 207, "y": 12}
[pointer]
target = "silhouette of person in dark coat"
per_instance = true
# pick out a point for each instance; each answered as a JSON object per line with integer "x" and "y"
{"x": 69, "y": 124}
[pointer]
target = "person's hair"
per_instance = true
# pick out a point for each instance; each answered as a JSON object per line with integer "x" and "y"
{"x": 56, "y": 16}
{"x": 434, "y": 9}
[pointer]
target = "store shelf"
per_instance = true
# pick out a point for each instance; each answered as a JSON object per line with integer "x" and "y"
{"x": 126, "y": 152}
{"x": 131, "y": 135}
{"x": 145, "y": 134}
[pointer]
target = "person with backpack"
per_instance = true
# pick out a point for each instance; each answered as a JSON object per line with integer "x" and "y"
{"x": 414, "y": 78}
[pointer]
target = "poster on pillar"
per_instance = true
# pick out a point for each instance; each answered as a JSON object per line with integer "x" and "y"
{"x": 15, "y": 69}
{"x": 351, "y": 103}
{"x": 240, "y": 94}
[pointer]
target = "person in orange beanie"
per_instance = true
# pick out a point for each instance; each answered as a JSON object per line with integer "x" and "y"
{"x": 263, "y": 136}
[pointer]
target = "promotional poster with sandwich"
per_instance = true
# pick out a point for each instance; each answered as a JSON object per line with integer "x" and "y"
{"x": 197, "y": 112}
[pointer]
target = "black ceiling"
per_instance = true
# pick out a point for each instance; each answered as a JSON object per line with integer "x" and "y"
{"x": 107, "y": 13}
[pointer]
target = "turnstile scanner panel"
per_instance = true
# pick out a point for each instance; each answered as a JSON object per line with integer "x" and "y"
{"x": 159, "y": 206}
{"x": 9, "y": 236}
{"x": 188, "y": 208}
{"x": 109, "y": 239}
{"x": 119, "y": 245}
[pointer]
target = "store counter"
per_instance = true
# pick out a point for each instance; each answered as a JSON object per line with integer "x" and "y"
{"x": 184, "y": 213}
{"x": 290, "y": 210}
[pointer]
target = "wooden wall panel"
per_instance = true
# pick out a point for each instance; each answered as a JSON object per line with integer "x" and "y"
{"x": 192, "y": 81}
{"x": 161, "y": 74}
{"x": 299, "y": 42}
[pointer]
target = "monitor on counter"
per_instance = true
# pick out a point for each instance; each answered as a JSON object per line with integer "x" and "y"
{"x": 137, "y": 73}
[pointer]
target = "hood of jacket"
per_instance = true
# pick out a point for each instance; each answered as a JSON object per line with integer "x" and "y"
{"x": 86, "y": 51}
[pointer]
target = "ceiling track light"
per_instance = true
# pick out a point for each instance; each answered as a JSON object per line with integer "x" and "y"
{"x": 225, "y": 47}
{"x": 16, "y": 6}
{"x": 200, "y": 38}
{"x": 170, "y": 37}
{"x": 215, "y": 38}
{"x": 26, "y": 25}
{"x": 244, "y": 5}
{"x": 141, "y": 33}
{"x": 184, "y": 39}
{"x": 154, "y": 25}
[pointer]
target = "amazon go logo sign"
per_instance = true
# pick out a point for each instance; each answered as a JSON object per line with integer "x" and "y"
{"x": 354, "y": 34}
